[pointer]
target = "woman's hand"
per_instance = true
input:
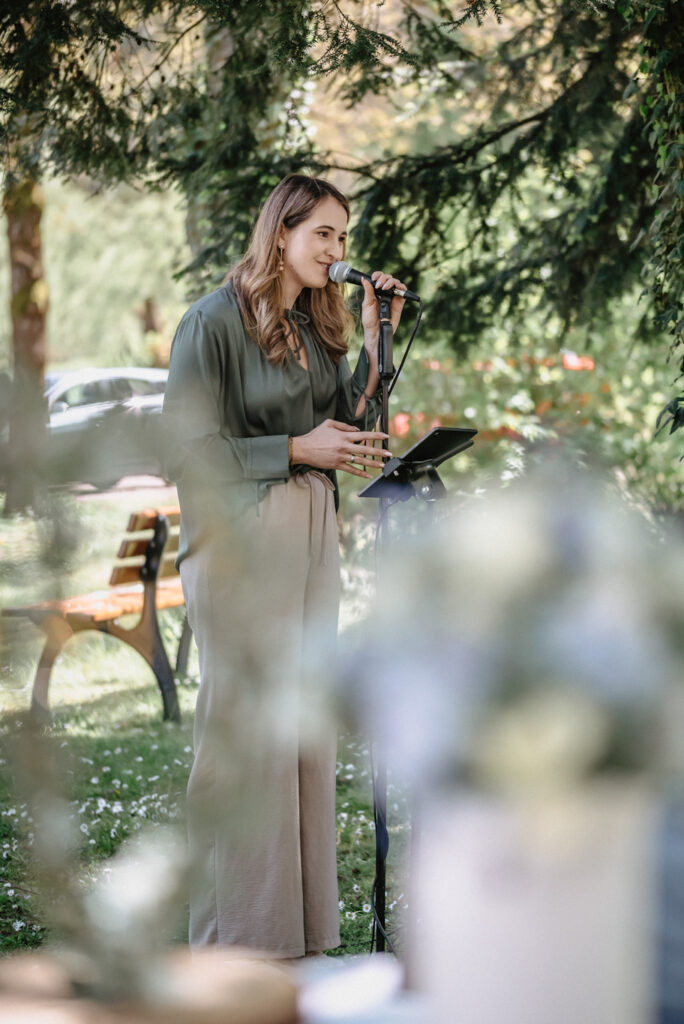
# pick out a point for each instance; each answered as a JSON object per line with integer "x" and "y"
{"x": 370, "y": 317}
{"x": 334, "y": 445}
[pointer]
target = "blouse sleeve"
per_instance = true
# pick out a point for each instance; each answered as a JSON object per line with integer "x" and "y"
{"x": 195, "y": 435}
{"x": 350, "y": 388}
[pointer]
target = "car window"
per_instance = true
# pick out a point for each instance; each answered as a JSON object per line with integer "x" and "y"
{"x": 122, "y": 388}
{"x": 147, "y": 387}
{"x": 87, "y": 393}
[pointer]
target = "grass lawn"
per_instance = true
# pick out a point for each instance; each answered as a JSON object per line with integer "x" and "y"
{"x": 124, "y": 768}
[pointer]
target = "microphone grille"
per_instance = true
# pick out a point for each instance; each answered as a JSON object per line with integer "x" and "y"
{"x": 338, "y": 272}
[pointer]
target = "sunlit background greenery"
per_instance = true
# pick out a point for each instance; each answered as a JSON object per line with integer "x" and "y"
{"x": 529, "y": 384}
{"x": 108, "y": 251}
{"x": 105, "y": 253}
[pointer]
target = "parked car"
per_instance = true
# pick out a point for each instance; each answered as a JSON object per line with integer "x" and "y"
{"x": 103, "y": 424}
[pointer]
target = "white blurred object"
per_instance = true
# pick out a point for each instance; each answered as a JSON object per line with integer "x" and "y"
{"x": 361, "y": 991}
{"x": 129, "y": 916}
{"x": 540, "y": 912}
{"x": 521, "y": 672}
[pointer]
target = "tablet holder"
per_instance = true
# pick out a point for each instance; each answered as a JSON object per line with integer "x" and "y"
{"x": 414, "y": 474}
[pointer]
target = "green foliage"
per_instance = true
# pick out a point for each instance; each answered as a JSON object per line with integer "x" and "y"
{"x": 553, "y": 182}
{"x": 536, "y": 197}
{"x": 541, "y": 199}
{"x": 529, "y": 399}
{"x": 84, "y": 88}
{"x": 671, "y": 416}
{"x": 663, "y": 52}
{"x": 54, "y": 90}
{"x": 647, "y": 165}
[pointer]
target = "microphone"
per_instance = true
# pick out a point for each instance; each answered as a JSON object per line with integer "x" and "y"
{"x": 340, "y": 272}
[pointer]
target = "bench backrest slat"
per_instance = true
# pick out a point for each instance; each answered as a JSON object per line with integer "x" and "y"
{"x": 145, "y": 519}
{"x": 122, "y": 574}
{"x": 134, "y": 548}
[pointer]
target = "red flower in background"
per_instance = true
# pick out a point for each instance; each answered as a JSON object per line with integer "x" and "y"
{"x": 400, "y": 424}
{"x": 571, "y": 361}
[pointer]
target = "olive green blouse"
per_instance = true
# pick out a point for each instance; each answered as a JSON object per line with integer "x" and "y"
{"x": 228, "y": 412}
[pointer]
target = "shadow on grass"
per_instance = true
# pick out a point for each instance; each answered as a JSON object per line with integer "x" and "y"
{"x": 119, "y": 709}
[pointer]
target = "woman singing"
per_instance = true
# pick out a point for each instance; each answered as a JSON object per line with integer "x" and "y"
{"x": 262, "y": 408}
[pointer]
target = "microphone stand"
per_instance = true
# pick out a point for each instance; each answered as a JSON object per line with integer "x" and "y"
{"x": 385, "y": 356}
{"x": 386, "y": 372}
{"x": 412, "y": 475}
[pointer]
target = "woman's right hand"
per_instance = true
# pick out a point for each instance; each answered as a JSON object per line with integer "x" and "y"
{"x": 335, "y": 445}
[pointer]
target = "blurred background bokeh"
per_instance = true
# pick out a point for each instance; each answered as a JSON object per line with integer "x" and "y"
{"x": 518, "y": 164}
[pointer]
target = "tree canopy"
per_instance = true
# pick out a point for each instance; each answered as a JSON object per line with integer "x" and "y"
{"x": 555, "y": 180}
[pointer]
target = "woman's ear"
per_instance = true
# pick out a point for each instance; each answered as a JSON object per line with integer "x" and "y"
{"x": 281, "y": 239}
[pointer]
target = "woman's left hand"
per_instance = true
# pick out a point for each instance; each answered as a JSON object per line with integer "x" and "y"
{"x": 370, "y": 309}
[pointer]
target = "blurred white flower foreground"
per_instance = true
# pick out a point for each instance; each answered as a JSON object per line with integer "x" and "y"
{"x": 522, "y": 675}
{"x": 529, "y": 641}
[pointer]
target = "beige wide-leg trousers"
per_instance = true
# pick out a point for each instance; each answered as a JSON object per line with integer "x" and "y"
{"x": 262, "y": 598}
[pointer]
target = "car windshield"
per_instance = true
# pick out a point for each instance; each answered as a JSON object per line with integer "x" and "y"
{"x": 97, "y": 389}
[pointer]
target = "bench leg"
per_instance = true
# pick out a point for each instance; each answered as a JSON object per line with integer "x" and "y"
{"x": 183, "y": 648}
{"x": 146, "y": 639}
{"x": 165, "y": 679}
{"x": 167, "y": 683}
{"x": 57, "y": 632}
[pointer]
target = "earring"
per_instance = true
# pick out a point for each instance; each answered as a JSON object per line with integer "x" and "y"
{"x": 281, "y": 250}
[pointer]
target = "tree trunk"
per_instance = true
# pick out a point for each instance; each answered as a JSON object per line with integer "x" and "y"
{"x": 23, "y": 206}
{"x": 218, "y": 49}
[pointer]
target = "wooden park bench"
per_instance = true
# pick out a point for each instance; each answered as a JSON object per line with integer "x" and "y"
{"x": 144, "y": 580}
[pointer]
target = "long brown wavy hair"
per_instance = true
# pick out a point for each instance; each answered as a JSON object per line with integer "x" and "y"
{"x": 257, "y": 282}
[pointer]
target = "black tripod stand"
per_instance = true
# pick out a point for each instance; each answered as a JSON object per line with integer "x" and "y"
{"x": 412, "y": 475}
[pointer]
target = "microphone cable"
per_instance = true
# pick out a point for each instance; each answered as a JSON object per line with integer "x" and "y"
{"x": 408, "y": 347}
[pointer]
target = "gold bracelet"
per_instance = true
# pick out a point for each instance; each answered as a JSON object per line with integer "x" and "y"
{"x": 290, "y": 456}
